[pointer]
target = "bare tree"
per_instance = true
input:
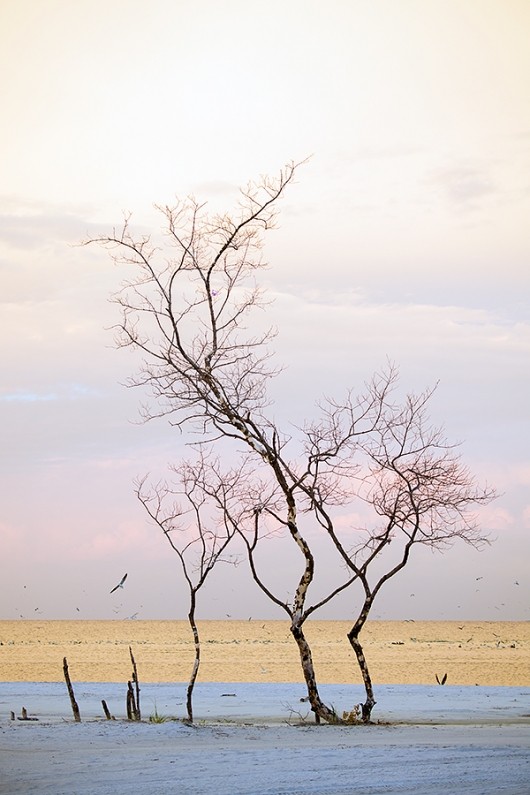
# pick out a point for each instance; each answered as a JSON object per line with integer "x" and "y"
{"x": 376, "y": 453}
{"x": 186, "y": 311}
{"x": 412, "y": 480}
{"x": 199, "y": 540}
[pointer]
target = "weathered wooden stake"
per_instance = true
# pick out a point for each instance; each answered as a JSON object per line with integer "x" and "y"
{"x": 131, "y": 705}
{"x": 137, "y": 713}
{"x": 73, "y": 702}
{"x": 106, "y": 709}
{"x": 12, "y": 716}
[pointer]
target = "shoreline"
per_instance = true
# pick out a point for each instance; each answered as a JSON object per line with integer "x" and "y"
{"x": 398, "y": 652}
{"x": 249, "y": 738}
{"x": 269, "y": 703}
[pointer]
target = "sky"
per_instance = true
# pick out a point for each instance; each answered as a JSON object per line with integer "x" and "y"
{"x": 405, "y": 237}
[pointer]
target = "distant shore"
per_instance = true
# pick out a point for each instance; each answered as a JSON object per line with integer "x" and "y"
{"x": 398, "y": 652}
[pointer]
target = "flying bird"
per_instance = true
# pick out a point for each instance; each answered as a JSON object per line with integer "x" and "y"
{"x": 444, "y": 679}
{"x": 120, "y": 584}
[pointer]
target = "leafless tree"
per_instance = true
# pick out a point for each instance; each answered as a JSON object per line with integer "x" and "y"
{"x": 410, "y": 478}
{"x": 381, "y": 457}
{"x": 198, "y": 536}
{"x": 186, "y": 309}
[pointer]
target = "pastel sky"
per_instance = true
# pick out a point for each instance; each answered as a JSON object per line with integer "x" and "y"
{"x": 406, "y": 236}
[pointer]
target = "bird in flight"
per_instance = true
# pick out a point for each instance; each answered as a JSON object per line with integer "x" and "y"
{"x": 120, "y": 584}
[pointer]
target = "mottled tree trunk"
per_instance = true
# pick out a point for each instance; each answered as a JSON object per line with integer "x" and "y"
{"x": 317, "y": 706}
{"x": 197, "y": 661}
{"x": 353, "y": 637}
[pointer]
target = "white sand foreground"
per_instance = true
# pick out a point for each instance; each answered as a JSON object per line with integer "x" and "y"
{"x": 432, "y": 740}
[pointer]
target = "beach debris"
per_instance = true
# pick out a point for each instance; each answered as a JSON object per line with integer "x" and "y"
{"x": 106, "y": 710}
{"x": 25, "y": 715}
{"x": 228, "y": 695}
{"x": 132, "y": 707}
{"x": 136, "y": 710}
{"x": 444, "y": 679}
{"x": 354, "y": 716}
{"x": 73, "y": 702}
{"x": 120, "y": 584}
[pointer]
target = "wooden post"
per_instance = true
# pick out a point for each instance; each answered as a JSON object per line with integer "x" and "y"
{"x": 73, "y": 702}
{"x": 106, "y": 709}
{"x": 131, "y": 706}
{"x": 137, "y": 713}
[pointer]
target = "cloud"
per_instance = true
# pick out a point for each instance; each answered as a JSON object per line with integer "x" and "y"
{"x": 494, "y": 518}
{"x": 28, "y": 398}
{"x": 214, "y": 188}
{"x": 66, "y": 392}
{"x": 464, "y": 185}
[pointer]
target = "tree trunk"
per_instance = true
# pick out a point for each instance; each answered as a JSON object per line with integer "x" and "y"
{"x": 197, "y": 661}
{"x": 317, "y": 706}
{"x": 353, "y": 637}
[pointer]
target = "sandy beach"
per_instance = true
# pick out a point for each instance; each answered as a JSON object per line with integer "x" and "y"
{"x": 398, "y": 652}
{"x": 248, "y": 741}
{"x": 253, "y": 735}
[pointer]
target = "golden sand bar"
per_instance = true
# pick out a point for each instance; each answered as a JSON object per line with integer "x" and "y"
{"x": 398, "y": 652}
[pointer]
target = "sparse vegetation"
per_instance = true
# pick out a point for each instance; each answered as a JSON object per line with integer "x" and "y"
{"x": 185, "y": 309}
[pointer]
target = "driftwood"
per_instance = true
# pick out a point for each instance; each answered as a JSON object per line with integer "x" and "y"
{"x": 25, "y": 715}
{"x": 73, "y": 702}
{"x": 137, "y": 713}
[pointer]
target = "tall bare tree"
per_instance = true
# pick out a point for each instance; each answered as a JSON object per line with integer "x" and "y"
{"x": 185, "y": 309}
{"x": 186, "y": 312}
